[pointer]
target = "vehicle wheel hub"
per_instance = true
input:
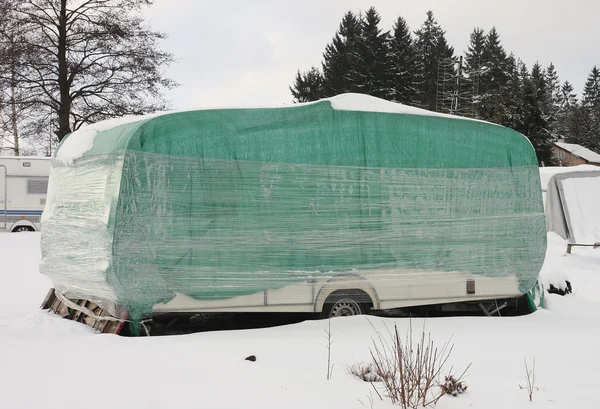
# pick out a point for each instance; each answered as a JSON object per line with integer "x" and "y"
{"x": 345, "y": 308}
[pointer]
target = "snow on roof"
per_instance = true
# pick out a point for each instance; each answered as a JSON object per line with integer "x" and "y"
{"x": 580, "y": 151}
{"x": 82, "y": 140}
{"x": 367, "y": 103}
{"x": 547, "y": 172}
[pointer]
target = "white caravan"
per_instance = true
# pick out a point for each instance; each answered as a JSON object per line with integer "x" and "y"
{"x": 23, "y": 187}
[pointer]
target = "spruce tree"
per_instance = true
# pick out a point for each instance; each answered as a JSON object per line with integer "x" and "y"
{"x": 576, "y": 124}
{"x": 554, "y": 100}
{"x": 494, "y": 56}
{"x": 518, "y": 108}
{"x": 568, "y": 97}
{"x": 447, "y": 81}
{"x": 511, "y": 99}
{"x": 403, "y": 58}
{"x": 534, "y": 124}
{"x": 434, "y": 57}
{"x": 340, "y": 58}
{"x": 372, "y": 70}
{"x": 494, "y": 77}
{"x": 474, "y": 62}
{"x": 307, "y": 85}
{"x": 591, "y": 109}
{"x": 591, "y": 90}
{"x": 569, "y": 120}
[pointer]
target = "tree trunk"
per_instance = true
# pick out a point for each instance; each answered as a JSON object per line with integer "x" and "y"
{"x": 64, "y": 112}
{"x": 13, "y": 113}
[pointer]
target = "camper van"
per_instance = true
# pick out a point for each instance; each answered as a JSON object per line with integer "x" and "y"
{"x": 23, "y": 187}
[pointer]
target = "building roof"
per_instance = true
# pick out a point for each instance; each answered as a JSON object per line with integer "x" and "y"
{"x": 580, "y": 151}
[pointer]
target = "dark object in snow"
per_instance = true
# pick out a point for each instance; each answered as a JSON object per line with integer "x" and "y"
{"x": 251, "y": 358}
{"x": 561, "y": 291}
{"x": 453, "y": 386}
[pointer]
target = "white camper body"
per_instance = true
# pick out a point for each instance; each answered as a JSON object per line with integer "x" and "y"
{"x": 23, "y": 187}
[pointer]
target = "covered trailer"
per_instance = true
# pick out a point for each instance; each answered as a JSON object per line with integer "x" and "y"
{"x": 339, "y": 206}
{"x": 572, "y": 205}
{"x": 548, "y": 172}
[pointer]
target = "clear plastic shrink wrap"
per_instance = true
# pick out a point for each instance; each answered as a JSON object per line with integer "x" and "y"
{"x": 268, "y": 206}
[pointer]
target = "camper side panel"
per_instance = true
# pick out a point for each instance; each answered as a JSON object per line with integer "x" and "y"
{"x": 24, "y": 185}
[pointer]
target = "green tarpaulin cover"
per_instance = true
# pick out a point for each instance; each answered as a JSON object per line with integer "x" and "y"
{"x": 219, "y": 203}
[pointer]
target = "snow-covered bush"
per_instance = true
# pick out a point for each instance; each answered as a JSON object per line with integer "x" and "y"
{"x": 453, "y": 386}
{"x": 366, "y": 372}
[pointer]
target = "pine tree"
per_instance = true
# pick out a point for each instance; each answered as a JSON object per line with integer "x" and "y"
{"x": 307, "y": 86}
{"x": 403, "y": 58}
{"x": 340, "y": 59}
{"x": 434, "y": 55}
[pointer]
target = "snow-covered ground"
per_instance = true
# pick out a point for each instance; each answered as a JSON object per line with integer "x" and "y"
{"x": 47, "y": 362}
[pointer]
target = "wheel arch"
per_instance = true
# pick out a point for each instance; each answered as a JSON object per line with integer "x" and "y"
{"x": 21, "y": 223}
{"x": 349, "y": 282}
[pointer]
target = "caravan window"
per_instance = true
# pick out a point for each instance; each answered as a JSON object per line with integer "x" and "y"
{"x": 37, "y": 186}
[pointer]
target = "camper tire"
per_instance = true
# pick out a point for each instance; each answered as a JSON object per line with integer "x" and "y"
{"x": 346, "y": 303}
{"x": 20, "y": 229}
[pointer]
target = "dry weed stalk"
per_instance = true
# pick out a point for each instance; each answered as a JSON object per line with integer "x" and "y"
{"x": 409, "y": 368}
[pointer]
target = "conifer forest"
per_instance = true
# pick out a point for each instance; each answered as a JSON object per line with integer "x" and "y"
{"x": 419, "y": 68}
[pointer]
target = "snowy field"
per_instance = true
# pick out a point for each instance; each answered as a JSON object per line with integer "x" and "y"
{"x": 47, "y": 362}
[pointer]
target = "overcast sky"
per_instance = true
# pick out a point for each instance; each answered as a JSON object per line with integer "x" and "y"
{"x": 246, "y": 52}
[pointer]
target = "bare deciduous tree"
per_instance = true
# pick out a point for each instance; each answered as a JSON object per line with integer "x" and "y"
{"x": 12, "y": 98}
{"x": 90, "y": 60}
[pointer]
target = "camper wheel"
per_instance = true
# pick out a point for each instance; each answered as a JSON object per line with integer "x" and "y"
{"x": 346, "y": 303}
{"x": 20, "y": 229}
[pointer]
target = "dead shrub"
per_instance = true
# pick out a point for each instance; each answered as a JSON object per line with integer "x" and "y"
{"x": 365, "y": 372}
{"x": 410, "y": 368}
{"x": 453, "y": 386}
